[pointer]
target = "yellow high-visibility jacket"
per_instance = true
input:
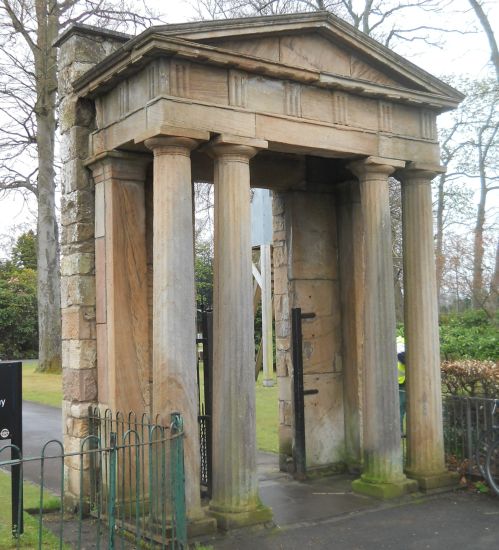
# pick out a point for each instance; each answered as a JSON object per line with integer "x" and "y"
{"x": 400, "y": 366}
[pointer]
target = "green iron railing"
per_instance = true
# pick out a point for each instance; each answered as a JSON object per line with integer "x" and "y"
{"x": 130, "y": 492}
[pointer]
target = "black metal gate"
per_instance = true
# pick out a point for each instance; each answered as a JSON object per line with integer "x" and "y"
{"x": 204, "y": 351}
{"x": 299, "y": 393}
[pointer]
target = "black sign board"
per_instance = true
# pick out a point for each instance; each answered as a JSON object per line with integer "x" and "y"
{"x": 11, "y": 428}
{"x": 11, "y": 400}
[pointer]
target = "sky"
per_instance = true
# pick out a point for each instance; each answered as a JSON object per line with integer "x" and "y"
{"x": 456, "y": 54}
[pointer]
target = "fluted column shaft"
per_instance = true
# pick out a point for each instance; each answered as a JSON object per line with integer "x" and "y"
{"x": 381, "y": 417}
{"x": 425, "y": 455}
{"x": 174, "y": 306}
{"x": 235, "y": 487}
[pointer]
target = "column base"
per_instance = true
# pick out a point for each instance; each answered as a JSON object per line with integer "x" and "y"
{"x": 268, "y": 383}
{"x": 204, "y": 525}
{"x": 226, "y": 521}
{"x": 385, "y": 490}
{"x": 427, "y": 482}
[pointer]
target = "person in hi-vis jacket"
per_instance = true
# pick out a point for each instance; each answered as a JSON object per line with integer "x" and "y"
{"x": 401, "y": 378}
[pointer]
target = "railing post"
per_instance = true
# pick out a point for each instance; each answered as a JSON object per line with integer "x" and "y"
{"x": 179, "y": 523}
{"x": 469, "y": 437}
{"x": 112, "y": 489}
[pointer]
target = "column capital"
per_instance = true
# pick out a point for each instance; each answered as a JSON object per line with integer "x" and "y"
{"x": 170, "y": 145}
{"x": 237, "y": 147}
{"x": 374, "y": 166}
{"x": 420, "y": 173}
{"x": 119, "y": 165}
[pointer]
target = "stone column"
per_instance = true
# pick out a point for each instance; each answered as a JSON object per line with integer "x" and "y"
{"x": 382, "y": 475}
{"x": 235, "y": 499}
{"x": 174, "y": 306}
{"x": 425, "y": 444}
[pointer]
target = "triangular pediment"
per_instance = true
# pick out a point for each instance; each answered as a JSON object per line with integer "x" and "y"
{"x": 318, "y": 41}
{"x": 317, "y": 49}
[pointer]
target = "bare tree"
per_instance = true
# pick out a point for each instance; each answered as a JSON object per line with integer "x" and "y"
{"x": 479, "y": 9}
{"x": 469, "y": 147}
{"x": 494, "y": 284}
{"x": 388, "y": 21}
{"x": 481, "y": 163}
{"x": 457, "y": 282}
{"x": 28, "y": 87}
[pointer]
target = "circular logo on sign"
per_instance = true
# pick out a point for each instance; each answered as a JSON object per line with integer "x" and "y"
{"x": 4, "y": 433}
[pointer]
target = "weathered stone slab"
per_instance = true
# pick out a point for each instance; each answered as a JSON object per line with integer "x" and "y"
{"x": 324, "y": 421}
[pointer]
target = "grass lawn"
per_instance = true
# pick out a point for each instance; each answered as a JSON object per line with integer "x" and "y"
{"x": 47, "y": 390}
{"x": 41, "y": 388}
{"x": 267, "y": 417}
{"x": 31, "y": 502}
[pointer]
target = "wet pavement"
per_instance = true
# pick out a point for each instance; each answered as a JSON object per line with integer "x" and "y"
{"x": 445, "y": 522}
{"x": 321, "y": 513}
{"x": 41, "y": 424}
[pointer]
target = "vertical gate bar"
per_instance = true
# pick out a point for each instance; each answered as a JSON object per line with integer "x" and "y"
{"x": 80, "y": 500}
{"x": 164, "y": 493}
{"x": 16, "y": 491}
{"x": 120, "y": 511}
{"x": 40, "y": 504}
{"x": 62, "y": 497}
{"x": 209, "y": 400}
{"x": 138, "y": 534}
{"x": 144, "y": 480}
{"x": 178, "y": 480}
{"x": 100, "y": 453}
{"x": 112, "y": 490}
{"x": 150, "y": 474}
{"x": 469, "y": 435}
{"x": 299, "y": 404}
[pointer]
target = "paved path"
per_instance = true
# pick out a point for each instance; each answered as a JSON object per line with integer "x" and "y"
{"x": 323, "y": 513}
{"x": 42, "y": 423}
{"x": 449, "y": 521}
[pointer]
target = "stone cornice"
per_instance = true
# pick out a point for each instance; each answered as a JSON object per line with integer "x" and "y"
{"x": 89, "y": 30}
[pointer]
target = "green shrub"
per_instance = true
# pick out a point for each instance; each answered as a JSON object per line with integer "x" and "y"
{"x": 469, "y": 335}
{"x": 18, "y": 313}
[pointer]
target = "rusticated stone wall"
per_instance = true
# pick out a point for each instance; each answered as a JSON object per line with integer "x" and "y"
{"x": 78, "y": 53}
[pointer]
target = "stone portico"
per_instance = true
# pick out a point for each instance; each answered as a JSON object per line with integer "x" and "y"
{"x": 322, "y": 115}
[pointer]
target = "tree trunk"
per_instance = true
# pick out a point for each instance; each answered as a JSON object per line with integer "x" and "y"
{"x": 478, "y": 249}
{"x": 494, "y": 286}
{"x": 49, "y": 290}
